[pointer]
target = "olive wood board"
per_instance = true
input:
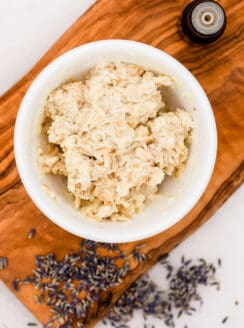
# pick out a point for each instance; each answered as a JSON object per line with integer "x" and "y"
{"x": 219, "y": 67}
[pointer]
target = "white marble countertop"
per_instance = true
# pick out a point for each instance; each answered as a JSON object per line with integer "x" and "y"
{"x": 27, "y": 29}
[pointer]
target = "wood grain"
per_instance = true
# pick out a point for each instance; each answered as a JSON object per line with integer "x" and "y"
{"x": 219, "y": 68}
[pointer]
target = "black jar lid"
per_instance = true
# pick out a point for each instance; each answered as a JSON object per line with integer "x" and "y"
{"x": 203, "y": 21}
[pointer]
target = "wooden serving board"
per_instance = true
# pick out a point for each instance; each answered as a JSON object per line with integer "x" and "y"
{"x": 220, "y": 70}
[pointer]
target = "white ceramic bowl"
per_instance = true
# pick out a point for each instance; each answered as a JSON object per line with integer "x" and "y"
{"x": 179, "y": 195}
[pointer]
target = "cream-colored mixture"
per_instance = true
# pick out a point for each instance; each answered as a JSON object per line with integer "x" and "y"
{"x": 112, "y": 137}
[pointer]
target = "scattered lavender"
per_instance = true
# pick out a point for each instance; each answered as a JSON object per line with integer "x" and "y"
{"x": 31, "y": 233}
{"x": 137, "y": 255}
{"x": 111, "y": 247}
{"x": 3, "y": 262}
{"x": 179, "y": 297}
{"x": 72, "y": 285}
{"x": 144, "y": 295}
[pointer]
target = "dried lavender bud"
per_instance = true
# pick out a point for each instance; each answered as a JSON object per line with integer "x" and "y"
{"x": 225, "y": 319}
{"x": 31, "y": 233}
{"x": 3, "y": 262}
{"x": 15, "y": 284}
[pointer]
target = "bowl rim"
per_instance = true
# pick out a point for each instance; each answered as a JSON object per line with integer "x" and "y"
{"x": 23, "y": 173}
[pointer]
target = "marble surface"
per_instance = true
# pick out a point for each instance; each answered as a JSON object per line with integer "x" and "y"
{"x": 27, "y": 29}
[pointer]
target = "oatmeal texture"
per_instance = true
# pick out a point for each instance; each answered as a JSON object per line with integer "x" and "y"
{"x": 113, "y": 138}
